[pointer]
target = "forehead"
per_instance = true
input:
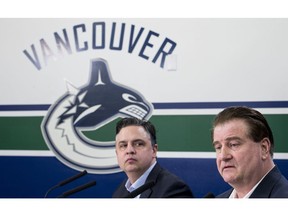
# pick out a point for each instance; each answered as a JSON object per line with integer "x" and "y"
{"x": 132, "y": 132}
{"x": 230, "y": 128}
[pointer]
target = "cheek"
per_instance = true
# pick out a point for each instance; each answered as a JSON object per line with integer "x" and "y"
{"x": 120, "y": 156}
{"x": 117, "y": 153}
{"x": 217, "y": 158}
{"x": 147, "y": 154}
{"x": 218, "y": 162}
{"x": 246, "y": 156}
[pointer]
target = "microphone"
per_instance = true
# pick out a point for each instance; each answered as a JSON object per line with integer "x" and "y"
{"x": 209, "y": 195}
{"x": 77, "y": 189}
{"x": 140, "y": 190}
{"x": 84, "y": 172}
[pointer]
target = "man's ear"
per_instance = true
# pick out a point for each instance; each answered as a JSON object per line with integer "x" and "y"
{"x": 265, "y": 148}
{"x": 155, "y": 147}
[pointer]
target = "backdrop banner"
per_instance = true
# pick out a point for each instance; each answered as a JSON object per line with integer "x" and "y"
{"x": 66, "y": 82}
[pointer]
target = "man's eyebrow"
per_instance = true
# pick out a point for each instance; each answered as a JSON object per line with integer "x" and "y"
{"x": 215, "y": 143}
{"x": 233, "y": 138}
{"x": 121, "y": 142}
{"x": 228, "y": 139}
{"x": 134, "y": 140}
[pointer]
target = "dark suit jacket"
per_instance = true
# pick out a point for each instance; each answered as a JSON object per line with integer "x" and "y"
{"x": 274, "y": 185}
{"x": 167, "y": 185}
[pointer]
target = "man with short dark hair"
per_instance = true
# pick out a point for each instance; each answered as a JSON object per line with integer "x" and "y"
{"x": 136, "y": 150}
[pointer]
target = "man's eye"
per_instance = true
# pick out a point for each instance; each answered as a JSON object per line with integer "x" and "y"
{"x": 217, "y": 148}
{"x": 233, "y": 145}
{"x": 138, "y": 144}
{"x": 122, "y": 146}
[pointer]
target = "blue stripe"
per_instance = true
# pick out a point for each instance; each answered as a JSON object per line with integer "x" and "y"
{"x": 221, "y": 105}
{"x": 25, "y": 107}
{"x": 184, "y": 105}
{"x": 18, "y": 179}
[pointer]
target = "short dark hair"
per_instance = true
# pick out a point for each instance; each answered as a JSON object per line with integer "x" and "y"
{"x": 258, "y": 125}
{"x": 131, "y": 121}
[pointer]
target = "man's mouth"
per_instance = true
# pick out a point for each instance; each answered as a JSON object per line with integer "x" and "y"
{"x": 130, "y": 160}
{"x": 227, "y": 167}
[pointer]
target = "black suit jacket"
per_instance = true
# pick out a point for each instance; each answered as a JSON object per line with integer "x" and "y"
{"x": 274, "y": 185}
{"x": 167, "y": 185}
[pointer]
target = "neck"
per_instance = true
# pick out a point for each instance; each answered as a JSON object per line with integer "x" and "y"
{"x": 133, "y": 176}
{"x": 245, "y": 187}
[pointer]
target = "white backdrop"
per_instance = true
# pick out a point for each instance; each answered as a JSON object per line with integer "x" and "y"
{"x": 214, "y": 60}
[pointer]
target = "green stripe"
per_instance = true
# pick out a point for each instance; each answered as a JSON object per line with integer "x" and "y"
{"x": 21, "y": 133}
{"x": 174, "y": 133}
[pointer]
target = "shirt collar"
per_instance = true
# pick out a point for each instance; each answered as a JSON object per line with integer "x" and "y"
{"x": 233, "y": 195}
{"x": 140, "y": 181}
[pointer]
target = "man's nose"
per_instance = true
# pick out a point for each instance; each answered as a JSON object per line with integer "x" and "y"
{"x": 224, "y": 154}
{"x": 130, "y": 148}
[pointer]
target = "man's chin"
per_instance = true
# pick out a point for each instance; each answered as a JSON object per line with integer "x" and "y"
{"x": 228, "y": 177}
{"x": 131, "y": 168}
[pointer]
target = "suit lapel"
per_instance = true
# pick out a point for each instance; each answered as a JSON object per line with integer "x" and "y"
{"x": 151, "y": 177}
{"x": 266, "y": 185}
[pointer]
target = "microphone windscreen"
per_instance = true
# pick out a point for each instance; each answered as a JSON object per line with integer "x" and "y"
{"x": 209, "y": 195}
{"x": 77, "y": 189}
{"x": 66, "y": 181}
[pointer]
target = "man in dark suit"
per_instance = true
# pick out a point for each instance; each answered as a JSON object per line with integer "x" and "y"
{"x": 136, "y": 150}
{"x": 244, "y": 145}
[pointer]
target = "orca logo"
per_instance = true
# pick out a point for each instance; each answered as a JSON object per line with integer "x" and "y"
{"x": 88, "y": 108}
